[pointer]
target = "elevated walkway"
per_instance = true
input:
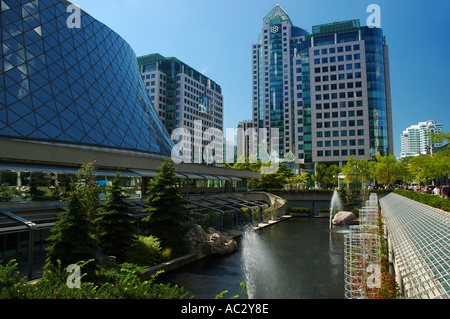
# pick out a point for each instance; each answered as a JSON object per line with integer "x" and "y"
{"x": 419, "y": 242}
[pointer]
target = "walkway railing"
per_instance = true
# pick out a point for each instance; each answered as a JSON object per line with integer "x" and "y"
{"x": 420, "y": 239}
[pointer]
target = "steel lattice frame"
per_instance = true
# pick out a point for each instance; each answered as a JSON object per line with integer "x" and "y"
{"x": 420, "y": 239}
{"x": 362, "y": 258}
{"x": 362, "y": 265}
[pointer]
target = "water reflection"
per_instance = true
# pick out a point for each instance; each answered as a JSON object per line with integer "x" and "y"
{"x": 298, "y": 258}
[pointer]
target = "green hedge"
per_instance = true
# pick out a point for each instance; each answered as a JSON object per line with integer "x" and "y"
{"x": 427, "y": 199}
{"x": 300, "y": 210}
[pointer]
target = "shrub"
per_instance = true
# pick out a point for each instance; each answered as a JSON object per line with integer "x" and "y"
{"x": 355, "y": 211}
{"x": 299, "y": 210}
{"x": 427, "y": 199}
{"x": 11, "y": 285}
{"x": 145, "y": 251}
{"x": 123, "y": 282}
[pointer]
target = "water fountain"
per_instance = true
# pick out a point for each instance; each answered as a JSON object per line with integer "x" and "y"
{"x": 257, "y": 262}
{"x": 335, "y": 204}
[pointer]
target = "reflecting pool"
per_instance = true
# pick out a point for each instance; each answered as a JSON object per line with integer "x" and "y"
{"x": 294, "y": 259}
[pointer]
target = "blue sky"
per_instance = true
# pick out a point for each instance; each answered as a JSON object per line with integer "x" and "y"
{"x": 215, "y": 38}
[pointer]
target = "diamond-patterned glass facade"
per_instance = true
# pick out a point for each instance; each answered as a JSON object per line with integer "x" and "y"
{"x": 74, "y": 85}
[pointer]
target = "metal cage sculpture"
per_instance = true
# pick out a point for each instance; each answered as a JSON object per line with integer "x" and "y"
{"x": 362, "y": 265}
{"x": 362, "y": 255}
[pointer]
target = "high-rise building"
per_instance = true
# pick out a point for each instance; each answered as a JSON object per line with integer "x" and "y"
{"x": 184, "y": 99}
{"x": 327, "y": 92}
{"x": 416, "y": 142}
{"x": 272, "y": 80}
{"x": 246, "y": 139}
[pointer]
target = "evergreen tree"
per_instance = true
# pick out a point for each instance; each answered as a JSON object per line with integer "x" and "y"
{"x": 72, "y": 238}
{"x": 90, "y": 190}
{"x": 116, "y": 226}
{"x": 166, "y": 208}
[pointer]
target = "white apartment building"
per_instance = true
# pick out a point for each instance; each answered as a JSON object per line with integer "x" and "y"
{"x": 414, "y": 140}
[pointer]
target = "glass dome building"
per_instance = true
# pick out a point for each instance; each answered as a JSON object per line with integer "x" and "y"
{"x": 65, "y": 84}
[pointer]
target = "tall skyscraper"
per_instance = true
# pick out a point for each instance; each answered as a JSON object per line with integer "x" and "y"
{"x": 272, "y": 79}
{"x": 327, "y": 92}
{"x": 186, "y": 101}
{"x": 416, "y": 142}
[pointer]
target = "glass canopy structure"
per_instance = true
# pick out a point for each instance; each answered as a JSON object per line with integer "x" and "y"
{"x": 61, "y": 83}
{"x": 420, "y": 239}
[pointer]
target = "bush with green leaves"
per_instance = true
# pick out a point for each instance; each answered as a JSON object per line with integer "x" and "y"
{"x": 427, "y": 199}
{"x": 299, "y": 210}
{"x": 122, "y": 282}
{"x": 146, "y": 251}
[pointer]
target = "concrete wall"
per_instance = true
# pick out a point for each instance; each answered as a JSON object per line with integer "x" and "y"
{"x": 268, "y": 198}
{"x": 312, "y": 200}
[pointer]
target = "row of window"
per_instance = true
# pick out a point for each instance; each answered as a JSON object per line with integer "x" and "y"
{"x": 342, "y": 133}
{"x": 344, "y": 123}
{"x": 153, "y": 76}
{"x": 335, "y": 86}
{"x": 348, "y": 48}
{"x": 327, "y": 115}
{"x": 342, "y": 95}
{"x": 341, "y": 152}
{"x": 340, "y": 67}
{"x": 335, "y": 77}
{"x": 335, "y": 105}
{"x": 337, "y": 143}
{"x": 339, "y": 58}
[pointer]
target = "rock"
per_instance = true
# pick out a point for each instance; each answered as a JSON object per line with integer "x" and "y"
{"x": 203, "y": 243}
{"x": 343, "y": 218}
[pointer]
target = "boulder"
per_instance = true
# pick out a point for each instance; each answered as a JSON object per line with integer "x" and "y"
{"x": 203, "y": 243}
{"x": 343, "y": 218}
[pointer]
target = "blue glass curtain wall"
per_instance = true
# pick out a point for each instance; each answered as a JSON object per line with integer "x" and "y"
{"x": 75, "y": 85}
{"x": 376, "y": 90}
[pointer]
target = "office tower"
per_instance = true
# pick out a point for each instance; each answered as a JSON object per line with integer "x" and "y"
{"x": 328, "y": 92}
{"x": 246, "y": 139}
{"x": 272, "y": 80}
{"x": 416, "y": 142}
{"x": 185, "y": 99}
